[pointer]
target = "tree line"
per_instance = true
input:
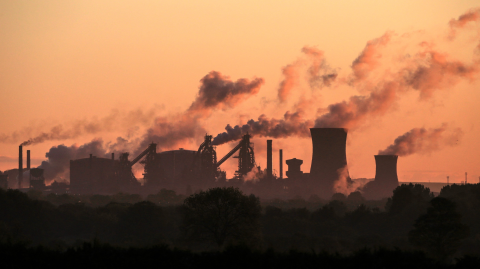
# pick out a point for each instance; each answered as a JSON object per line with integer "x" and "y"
{"x": 443, "y": 227}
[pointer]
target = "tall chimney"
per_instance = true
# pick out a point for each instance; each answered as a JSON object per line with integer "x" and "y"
{"x": 113, "y": 156}
{"x": 328, "y": 158}
{"x": 281, "y": 164}
{"x": 20, "y": 166}
{"x": 28, "y": 159}
{"x": 269, "y": 159}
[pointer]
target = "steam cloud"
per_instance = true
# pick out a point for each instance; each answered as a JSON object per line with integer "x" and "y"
{"x": 421, "y": 140}
{"x": 318, "y": 72}
{"x": 425, "y": 70}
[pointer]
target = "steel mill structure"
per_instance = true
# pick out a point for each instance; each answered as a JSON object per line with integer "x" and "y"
{"x": 191, "y": 170}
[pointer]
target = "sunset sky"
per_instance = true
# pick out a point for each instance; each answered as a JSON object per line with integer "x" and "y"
{"x": 100, "y": 70}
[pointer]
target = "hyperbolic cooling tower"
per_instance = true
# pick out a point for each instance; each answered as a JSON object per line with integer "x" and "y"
{"x": 328, "y": 158}
{"x": 386, "y": 179}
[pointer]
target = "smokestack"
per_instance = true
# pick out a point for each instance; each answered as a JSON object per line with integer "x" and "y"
{"x": 20, "y": 166}
{"x": 328, "y": 158}
{"x": 113, "y": 156}
{"x": 281, "y": 164}
{"x": 269, "y": 159}
{"x": 28, "y": 159}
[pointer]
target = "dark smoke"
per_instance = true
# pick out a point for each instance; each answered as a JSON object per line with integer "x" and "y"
{"x": 421, "y": 140}
{"x": 350, "y": 114}
{"x": 58, "y": 157}
{"x": 218, "y": 91}
{"x": 292, "y": 124}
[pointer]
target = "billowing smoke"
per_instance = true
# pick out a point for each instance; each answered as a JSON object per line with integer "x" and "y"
{"x": 58, "y": 158}
{"x": 116, "y": 120}
{"x": 350, "y": 114}
{"x": 290, "y": 73}
{"x": 368, "y": 60}
{"x": 292, "y": 124}
{"x": 421, "y": 140}
{"x": 219, "y": 92}
{"x": 471, "y": 16}
{"x": 318, "y": 72}
{"x": 216, "y": 92}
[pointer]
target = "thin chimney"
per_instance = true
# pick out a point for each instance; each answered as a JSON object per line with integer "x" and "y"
{"x": 20, "y": 166}
{"x": 269, "y": 159}
{"x": 28, "y": 159}
{"x": 281, "y": 164}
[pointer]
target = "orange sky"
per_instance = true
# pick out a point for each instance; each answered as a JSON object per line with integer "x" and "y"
{"x": 67, "y": 62}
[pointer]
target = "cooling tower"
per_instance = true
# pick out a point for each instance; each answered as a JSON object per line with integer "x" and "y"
{"x": 328, "y": 158}
{"x": 386, "y": 179}
{"x": 386, "y": 171}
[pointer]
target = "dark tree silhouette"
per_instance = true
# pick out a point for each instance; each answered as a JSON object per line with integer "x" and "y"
{"x": 440, "y": 230}
{"x": 222, "y": 215}
{"x": 412, "y": 198}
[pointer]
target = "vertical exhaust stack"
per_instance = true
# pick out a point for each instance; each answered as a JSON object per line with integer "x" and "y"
{"x": 328, "y": 158}
{"x": 281, "y": 164}
{"x": 20, "y": 166}
{"x": 28, "y": 159}
{"x": 269, "y": 159}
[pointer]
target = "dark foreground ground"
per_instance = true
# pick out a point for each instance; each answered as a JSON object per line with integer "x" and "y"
{"x": 97, "y": 255}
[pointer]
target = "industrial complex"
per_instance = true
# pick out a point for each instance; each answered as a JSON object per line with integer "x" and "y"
{"x": 187, "y": 171}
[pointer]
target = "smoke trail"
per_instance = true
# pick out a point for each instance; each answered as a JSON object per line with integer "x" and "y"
{"x": 292, "y": 124}
{"x": 116, "y": 120}
{"x": 421, "y": 140}
{"x": 219, "y": 92}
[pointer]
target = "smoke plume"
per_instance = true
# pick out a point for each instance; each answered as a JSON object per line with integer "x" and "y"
{"x": 421, "y": 140}
{"x": 318, "y": 72}
{"x": 471, "y": 16}
{"x": 219, "y": 92}
{"x": 58, "y": 157}
{"x": 292, "y": 124}
{"x": 216, "y": 92}
{"x": 368, "y": 60}
{"x": 350, "y": 114}
{"x": 116, "y": 120}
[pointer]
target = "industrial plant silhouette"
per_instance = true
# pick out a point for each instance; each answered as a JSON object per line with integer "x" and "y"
{"x": 186, "y": 171}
